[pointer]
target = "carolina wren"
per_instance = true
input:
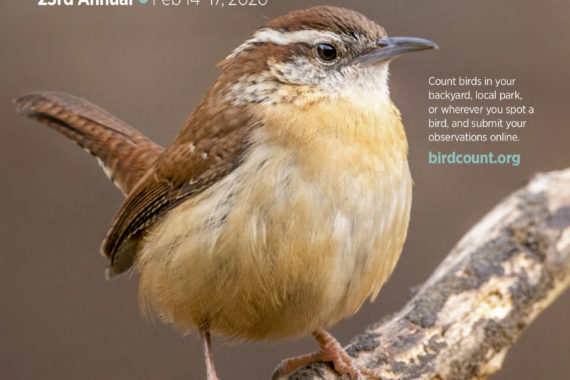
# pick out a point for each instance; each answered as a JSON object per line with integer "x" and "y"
{"x": 282, "y": 205}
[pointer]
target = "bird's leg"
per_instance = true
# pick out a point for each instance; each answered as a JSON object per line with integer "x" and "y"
{"x": 210, "y": 370}
{"x": 330, "y": 351}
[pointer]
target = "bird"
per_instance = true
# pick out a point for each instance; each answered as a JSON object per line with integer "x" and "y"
{"x": 282, "y": 205}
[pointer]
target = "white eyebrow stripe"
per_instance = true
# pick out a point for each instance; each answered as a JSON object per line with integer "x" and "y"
{"x": 285, "y": 38}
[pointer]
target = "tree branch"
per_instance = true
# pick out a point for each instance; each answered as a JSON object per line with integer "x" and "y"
{"x": 460, "y": 324}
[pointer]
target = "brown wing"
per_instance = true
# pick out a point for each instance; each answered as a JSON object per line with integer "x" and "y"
{"x": 209, "y": 147}
{"x": 125, "y": 153}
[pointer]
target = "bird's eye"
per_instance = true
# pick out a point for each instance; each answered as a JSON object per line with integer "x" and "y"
{"x": 326, "y": 52}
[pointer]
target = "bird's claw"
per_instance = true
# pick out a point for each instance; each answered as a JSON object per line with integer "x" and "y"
{"x": 331, "y": 351}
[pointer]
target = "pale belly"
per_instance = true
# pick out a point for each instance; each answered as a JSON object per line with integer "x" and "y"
{"x": 275, "y": 250}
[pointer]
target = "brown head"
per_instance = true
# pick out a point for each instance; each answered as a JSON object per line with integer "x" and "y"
{"x": 309, "y": 54}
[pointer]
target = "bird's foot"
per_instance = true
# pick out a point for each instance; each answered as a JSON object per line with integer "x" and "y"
{"x": 330, "y": 351}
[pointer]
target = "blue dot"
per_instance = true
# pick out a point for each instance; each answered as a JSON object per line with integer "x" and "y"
{"x": 143, "y": 1}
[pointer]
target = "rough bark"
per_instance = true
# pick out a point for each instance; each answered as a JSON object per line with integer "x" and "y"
{"x": 502, "y": 274}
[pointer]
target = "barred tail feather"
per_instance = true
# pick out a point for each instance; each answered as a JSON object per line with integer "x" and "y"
{"x": 124, "y": 153}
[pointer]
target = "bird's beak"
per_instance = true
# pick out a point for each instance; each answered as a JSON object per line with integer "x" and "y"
{"x": 390, "y": 48}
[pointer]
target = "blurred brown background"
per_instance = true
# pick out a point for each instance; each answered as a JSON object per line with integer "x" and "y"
{"x": 60, "y": 319}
